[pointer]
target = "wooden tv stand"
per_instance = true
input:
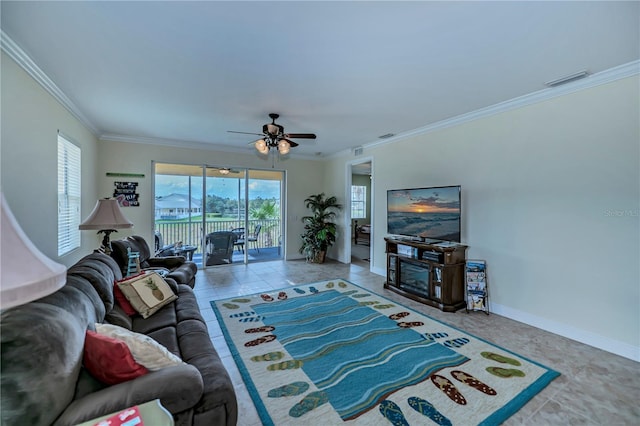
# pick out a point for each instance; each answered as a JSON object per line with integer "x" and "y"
{"x": 432, "y": 274}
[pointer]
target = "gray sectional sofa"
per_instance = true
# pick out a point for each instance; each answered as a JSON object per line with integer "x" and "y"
{"x": 43, "y": 380}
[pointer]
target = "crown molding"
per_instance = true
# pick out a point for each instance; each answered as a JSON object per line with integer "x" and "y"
{"x": 21, "y": 58}
{"x": 607, "y": 76}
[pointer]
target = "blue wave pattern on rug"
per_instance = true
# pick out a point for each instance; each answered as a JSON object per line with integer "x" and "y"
{"x": 353, "y": 352}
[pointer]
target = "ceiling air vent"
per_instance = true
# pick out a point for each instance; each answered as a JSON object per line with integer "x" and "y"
{"x": 387, "y": 136}
{"x": 357, "y": 150}
{"x": 567, "y": 78}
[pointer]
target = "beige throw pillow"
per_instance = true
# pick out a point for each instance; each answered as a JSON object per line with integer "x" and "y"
{"x": 147, "y": 293}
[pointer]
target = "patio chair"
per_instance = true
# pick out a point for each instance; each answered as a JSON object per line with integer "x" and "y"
{"x": 162, "y": 250}
{"x": 239, "y": 242}
{"x": 220, "y": 247}
{"x": 254, "y": 238}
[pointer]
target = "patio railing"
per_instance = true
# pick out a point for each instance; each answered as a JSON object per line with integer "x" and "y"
{"x": 191, "y": 232}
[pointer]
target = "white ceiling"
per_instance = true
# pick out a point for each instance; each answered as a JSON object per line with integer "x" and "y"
{"x": 348, "y": 71}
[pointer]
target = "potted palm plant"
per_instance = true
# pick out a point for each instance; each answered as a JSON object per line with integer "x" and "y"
{"x": 319, "y": 228}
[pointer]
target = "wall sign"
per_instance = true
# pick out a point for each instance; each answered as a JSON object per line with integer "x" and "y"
{"x": 126, "y": 195}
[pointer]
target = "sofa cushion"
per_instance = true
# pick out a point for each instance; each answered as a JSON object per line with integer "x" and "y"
{"x": 147, "y": 293}
{"x": 39, "y": 373}
{"x": 109, "y": 359}
{"x": 118, "y": 317}
{"x": 144, "y": 349}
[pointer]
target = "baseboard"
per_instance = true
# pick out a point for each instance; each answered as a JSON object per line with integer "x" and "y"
{"x": 606, "y": 344}
{"x": 597, "y": 341}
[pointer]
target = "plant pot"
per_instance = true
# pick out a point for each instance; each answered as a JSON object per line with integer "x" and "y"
{"x": 319, "y": 257}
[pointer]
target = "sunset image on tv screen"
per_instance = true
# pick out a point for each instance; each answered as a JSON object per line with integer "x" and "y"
{"x": 425, "y": 212}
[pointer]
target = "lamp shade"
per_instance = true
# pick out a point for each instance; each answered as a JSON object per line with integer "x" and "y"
{"x": 106, "y": 215}
{"x": 26, "y": 273}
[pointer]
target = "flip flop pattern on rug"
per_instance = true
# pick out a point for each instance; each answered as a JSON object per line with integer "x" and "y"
{"x": 342, "y": 284}
{"x": 292, "y": 389}
{"x": 282, "y": 296}
{"x": 393, "y": 413}
{"x": 410, "y": 324}
{"x": 426, "y": 408}
{"x": 292, "y": 364}
{"x": 309, "y": 403}
{"x": 431, "y": 337}
{"x": 299, "y": 290}
{"x": 266, "y": 298}
{"x": 505, "y": 373}
{"x": 330, "y": 284}
{"x": 313, "y": 290}
{"x": 456, "y": 343}
{"x": 230, "y": 305}
{"x": 242, "y": 300}
{"x": 359, "y": 296}
{"x": 242, "y": 314}
{"x": 384, "y": 306}
{"x": 252, "y": 319}
{"x": 468, "y": 379}
{"x": 270, "y": 356}
{"x": 368, "y": 303}
{"x": 500, "y": 358}
{"x": 349, "y": 293}
{"x": 448, "y": 388}
{"x": 260, "y": 340}
{"x": 398, "y": 315}
{"x": 263, "y": 329}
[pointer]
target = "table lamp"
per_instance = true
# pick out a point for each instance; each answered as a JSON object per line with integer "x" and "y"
{"x": 26, "y": 274}
{"x": 106, "y": 217}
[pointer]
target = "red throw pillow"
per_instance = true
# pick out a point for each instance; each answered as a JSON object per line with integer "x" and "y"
{"x": 109, "y": 360}
{"x": 122, "y": 301}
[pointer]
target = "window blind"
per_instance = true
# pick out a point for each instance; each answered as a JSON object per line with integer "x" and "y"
{"x": 68, "y": 195}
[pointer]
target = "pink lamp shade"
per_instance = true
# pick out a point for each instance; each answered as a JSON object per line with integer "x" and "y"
{"x": 26, "y": 274}
{"x": 106, "y": 215}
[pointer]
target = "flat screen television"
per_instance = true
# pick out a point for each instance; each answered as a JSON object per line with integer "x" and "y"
{"x": 428, "y": 213}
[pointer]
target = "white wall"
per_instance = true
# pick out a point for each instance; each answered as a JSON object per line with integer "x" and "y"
{"x": 551, "y": 197}
{"x": 31, "y": 118}
{"x": 303, "y": 178}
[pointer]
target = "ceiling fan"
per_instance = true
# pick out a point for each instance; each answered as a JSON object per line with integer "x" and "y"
{"x": 273, "y": 136}
{"x": 226, "y": 170}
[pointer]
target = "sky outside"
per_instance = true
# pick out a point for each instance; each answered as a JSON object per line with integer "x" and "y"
{"x": 222, "y": 187}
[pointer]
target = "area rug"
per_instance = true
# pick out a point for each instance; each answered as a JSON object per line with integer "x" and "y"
{"x": 333, "y": 353}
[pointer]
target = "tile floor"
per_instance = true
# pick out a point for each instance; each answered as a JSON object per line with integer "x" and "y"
{"x": 595, "y": 388}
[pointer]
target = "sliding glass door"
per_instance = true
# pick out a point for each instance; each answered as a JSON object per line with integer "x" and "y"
{"x": 218, "y": 215}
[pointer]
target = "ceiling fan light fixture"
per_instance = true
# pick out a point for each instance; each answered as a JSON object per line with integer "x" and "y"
{"x": 283, "y": 147}
{"x": 260, "y": 145}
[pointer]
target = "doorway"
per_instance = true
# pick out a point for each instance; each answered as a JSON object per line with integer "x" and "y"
{"x": 360, "y": 209}
{"x": 219, "y": 215}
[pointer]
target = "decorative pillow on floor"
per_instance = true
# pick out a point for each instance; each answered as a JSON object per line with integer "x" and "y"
{"x": 146, "y": 351}
{"x": 109, "y": 359}
{"x": 147, "y": 293}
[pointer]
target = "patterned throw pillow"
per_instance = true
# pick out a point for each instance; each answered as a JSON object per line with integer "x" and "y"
{"x": 110, "y": 360}
{"x": 144, "y": 349}
{"x": 147, "y": 293}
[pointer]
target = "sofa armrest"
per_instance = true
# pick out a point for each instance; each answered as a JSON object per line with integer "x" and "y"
{"x": 178, "y": 388}
{"x": 167, "y": 262}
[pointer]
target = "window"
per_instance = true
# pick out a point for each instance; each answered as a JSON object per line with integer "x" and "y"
{"x": 68, "y": 196}
{"x": 358, "y": 201}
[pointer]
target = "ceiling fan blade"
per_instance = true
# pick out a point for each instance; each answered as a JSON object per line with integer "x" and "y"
{"x": 291, "y": 143}
{"x": 300, "y": 135}
{"x": 244, "y": 133}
